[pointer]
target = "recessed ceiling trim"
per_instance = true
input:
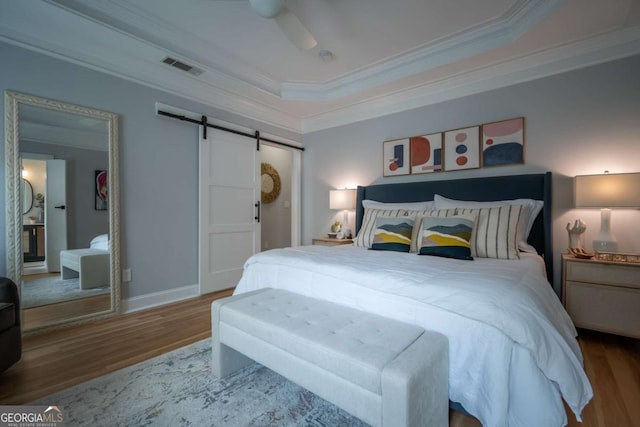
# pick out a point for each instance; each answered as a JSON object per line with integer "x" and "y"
{"x": 471, "y": 41}
{"x": 607, "y": 47}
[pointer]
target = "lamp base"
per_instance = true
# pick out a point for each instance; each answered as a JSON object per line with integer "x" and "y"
{"x": 605, "y": 241}
{"x": 605, "y": 246}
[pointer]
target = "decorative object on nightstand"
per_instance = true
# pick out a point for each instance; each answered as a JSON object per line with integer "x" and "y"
{"x": 607, "y": 191}
{"x": 575, "y": 233}
{"x": 342, "y": 200}
{"x": 602, "y": 295}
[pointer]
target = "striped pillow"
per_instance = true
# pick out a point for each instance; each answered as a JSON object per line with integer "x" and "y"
{"x": 393, "y": 234}
{"x": 364, "y": 239}
{"x": 448, "y": 237}
{"x": 496, "y": 231}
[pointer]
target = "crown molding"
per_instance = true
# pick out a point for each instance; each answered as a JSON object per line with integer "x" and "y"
{"x": 28, "y": 29}
{"x": 468, "y": 42}
{"x": 559, "y": 59}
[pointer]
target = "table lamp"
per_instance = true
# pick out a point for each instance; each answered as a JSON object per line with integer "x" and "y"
{"x": 343, "y": 200}
{"x": 607, "y": 191}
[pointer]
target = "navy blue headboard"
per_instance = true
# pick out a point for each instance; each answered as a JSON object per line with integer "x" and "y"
{"x": 533, "y": 186}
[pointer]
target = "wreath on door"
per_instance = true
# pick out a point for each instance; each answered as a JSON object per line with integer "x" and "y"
{"x": 270, "y": 183}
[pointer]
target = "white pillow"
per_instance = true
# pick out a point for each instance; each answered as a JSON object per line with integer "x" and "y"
{"x": 531, "y": 209}
{"x": 409, "y": 206}
{"x": 100, "y": 242}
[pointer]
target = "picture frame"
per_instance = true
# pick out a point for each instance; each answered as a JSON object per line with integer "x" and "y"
{"x": 101, "y": 188}
{"x": 503, "y": 142}
{"x": 426, "y": 153}
{"x": 462, "y": 148}
{"x": 396, "y": 159}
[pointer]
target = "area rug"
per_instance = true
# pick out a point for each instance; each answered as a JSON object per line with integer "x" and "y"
{"x": 51, "y": 290}
{"x": 178, "y": 389}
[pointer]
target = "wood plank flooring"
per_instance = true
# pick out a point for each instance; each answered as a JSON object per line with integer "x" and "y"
{"x": 60, "y": 359}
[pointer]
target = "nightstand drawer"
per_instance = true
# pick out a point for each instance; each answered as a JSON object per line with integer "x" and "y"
{"x": 614, "y": 274}
{"x": 604, "y": 308}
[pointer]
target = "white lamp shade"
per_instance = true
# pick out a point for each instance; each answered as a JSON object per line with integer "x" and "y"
{"x": 342, "y": 199}
{"x": 621, "y": 190}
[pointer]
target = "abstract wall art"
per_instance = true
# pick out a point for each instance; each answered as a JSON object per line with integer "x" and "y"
{"x": 426, "y": 153}
{"x": 396, "y": 157}
{"x": 101, "y": 182}
{"x": 462, "y": 148}
{"x": 503, "y": 142}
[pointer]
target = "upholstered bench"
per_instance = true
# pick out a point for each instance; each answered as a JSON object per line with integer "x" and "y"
{"x": 90, "y": 265}
{"x": 380, "y": 370}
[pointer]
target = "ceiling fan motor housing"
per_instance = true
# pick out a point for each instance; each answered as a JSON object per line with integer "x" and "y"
{"x": 267, "y": 8}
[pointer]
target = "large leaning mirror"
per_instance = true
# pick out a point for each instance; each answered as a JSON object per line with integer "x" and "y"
{"x": 64, "y": 250}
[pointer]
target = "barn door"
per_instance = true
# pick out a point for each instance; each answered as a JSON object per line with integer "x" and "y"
{"x": 229, "y": 210}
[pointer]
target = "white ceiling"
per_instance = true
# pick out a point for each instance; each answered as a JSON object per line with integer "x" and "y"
{"x": 389, "y": 56}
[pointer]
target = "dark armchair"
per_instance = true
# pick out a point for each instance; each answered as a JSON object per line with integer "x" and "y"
{"x": 10, "y": 336}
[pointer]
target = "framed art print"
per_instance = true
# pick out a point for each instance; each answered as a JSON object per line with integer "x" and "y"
{"x": 503, "y": 142}
{"x": 395, "y": 157}
{"x": 101, "y": 185}
{"x": 426, "y": 153}
{"x": 462, "y": 148}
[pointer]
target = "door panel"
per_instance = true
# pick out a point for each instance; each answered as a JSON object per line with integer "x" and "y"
{"x": 55, "y": 214}
{"x": 229, "y": 187}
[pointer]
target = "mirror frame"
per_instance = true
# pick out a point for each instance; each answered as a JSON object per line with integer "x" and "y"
{"x": 13, "y": 177}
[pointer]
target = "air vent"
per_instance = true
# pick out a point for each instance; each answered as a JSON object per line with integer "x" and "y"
{"x": 182, "y": 66}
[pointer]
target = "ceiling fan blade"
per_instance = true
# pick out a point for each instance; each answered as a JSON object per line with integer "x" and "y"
{"x": 295, "y": 30}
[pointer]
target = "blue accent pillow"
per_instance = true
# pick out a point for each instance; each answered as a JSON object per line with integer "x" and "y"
{"x": 392, "y": 234}
{"x": 448, "y": 236}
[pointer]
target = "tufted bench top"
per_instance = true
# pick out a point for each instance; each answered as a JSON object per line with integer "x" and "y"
{"x": 352, "y": 344}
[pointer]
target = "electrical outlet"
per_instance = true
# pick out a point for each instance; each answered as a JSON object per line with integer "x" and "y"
{"x": 126, "y": 275}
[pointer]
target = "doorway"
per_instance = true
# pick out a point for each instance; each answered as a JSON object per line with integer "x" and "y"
{"x": 276, "y": 169}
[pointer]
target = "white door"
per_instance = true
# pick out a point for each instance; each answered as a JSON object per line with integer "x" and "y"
{"x": 55, "y": 213}
{"x": 229, "y": 211}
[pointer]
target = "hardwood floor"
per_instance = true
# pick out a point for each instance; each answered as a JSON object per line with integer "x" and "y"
{"x": 60, "y": 359}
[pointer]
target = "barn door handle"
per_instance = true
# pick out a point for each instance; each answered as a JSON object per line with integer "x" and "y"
{"x": 257, "y": 217}
{"x": 63, "y": 207}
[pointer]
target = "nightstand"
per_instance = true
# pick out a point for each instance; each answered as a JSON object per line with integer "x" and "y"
{"x": 602, "y": 295}
{"x": 327, "y": 241}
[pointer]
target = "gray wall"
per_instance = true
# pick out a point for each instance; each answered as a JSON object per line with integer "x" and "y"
{"x": 580, "y": 122}
{"x": 158, "y": 164}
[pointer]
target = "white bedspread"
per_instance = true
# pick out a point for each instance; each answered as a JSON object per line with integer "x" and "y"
{"x": 513, "y": 351}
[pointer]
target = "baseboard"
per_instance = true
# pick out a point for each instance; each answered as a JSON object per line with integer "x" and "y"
{"x": 156, "y": 299}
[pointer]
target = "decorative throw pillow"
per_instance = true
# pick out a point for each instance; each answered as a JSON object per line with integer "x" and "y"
{"x": 531, "y": 209}
{"x": 393, "y": 234}
{"x": 447, "y": 236}
{"x": 364, "y": 238}
{"x": 495, "y": 232}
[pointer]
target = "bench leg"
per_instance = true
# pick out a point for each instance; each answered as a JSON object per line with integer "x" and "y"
{"x": 224, "y": 359}
{"x": 421, "y": 399}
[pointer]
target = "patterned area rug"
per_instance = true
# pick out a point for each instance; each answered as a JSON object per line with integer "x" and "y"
{"x": 178, "y": 389}
{"x": 50, "y": 290}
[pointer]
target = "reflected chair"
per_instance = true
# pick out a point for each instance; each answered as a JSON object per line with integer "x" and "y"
{"x": 10, "y": 336}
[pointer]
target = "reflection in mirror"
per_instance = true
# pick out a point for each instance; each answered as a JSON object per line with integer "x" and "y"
{"x": 27, "y": 196}
{"x": 63, "y": 249}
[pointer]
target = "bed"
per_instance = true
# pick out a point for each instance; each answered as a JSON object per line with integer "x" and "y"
{"x": 513, "y": 352}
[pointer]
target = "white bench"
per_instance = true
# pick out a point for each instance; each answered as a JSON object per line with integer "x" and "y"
{"x": 90, "y": 265}
{"x": 385, "y": 372}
